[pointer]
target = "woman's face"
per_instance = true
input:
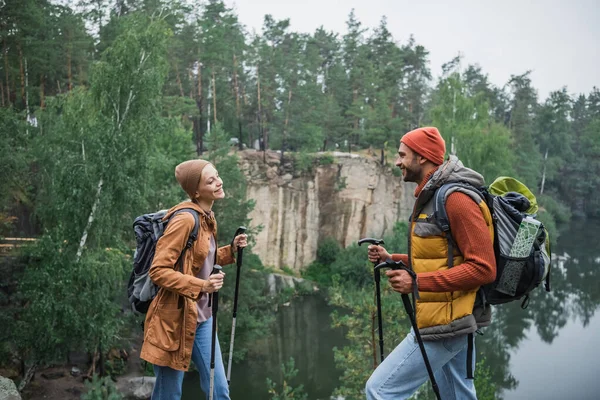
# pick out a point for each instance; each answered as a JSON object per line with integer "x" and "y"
{"x": 210, "y": 187}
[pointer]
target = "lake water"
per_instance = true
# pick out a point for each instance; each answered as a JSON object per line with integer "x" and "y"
{"x": 303, "y": 331}
{"x": 550, "y": 351}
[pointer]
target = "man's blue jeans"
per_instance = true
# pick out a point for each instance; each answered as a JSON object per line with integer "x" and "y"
{"x": 169, "y": 381}
{"x": 403, "y": 370}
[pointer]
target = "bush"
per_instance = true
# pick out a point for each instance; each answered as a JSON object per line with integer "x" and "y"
{"x": 328, "y": 251}
{"x": 101, "y": 389}
{"x": 326, "y": 159}
{"x": 287, "y": 391}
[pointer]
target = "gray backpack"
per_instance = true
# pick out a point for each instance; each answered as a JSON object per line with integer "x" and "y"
{"x": 148, "y": 229}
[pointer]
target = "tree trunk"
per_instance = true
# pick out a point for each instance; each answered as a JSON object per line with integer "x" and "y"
{"x": 5, "y": 52}
{"x": 27, "y": 376}
{"x": 263, "y": 145}
{"x": 90, "y": 220}
{"x": 80, "y": 75}
{"x": 22, "y": 73}
{"x": 42, "y": 88}
{"x": 237, "y": 102}
{"x": 26, "y": 89}
{"x": 354, "y": 97}
{"x": 179, "y": 80}
{"x": 2, "y": 92}
{"x": 214, "y": 88}
{"x": 285, "y": 125}
{"x": 544, "y": 172}
{"x": 69, "y": 69}
{"x": 199, "y": 133}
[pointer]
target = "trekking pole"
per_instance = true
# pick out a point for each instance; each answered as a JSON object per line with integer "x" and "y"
{"x": 411, "y": 314}
{"x": 377, "y": 278}
{"x": 215, "y": 308}
{"x": 240, "y": 252}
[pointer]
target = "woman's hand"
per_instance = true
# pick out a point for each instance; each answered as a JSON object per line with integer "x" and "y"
{"x": 239, "y": 242}
{"x": 214, "y": 282}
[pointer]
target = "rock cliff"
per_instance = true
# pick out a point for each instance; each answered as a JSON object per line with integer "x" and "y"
{"x": 340, "y": 195}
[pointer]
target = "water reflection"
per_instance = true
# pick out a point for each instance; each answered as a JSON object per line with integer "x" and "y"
{"x": 548, "y": 351}
{"x": 302, "y": 331}
{"x": 530, "y": 337}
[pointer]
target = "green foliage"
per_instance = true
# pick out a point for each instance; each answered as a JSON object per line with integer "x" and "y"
{"x": 98, "y": 168}
{"x": 15, "y": 138}
{"x": 288, "y": 270}
{"x": 232, "y": 211}
{"x": 357, "y": 360}
{"x": 253, "y": 319}
{"x": 350, "y": 265}
{"x": 326, "y": 159}
{"x": 75, "y": 304}
{"x": 328, "y": 251}
{"x": 357, "y": 316}
{"x": 303, "y": 162}
{"x": 101, "y": 389}
{"x": 287, "y": 391}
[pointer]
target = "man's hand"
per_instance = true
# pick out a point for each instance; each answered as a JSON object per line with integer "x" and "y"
{"x": 214, "y": 283}
{"x": 239, "y": 242}
{"x": 400, "y": 281}
{"x": 377, "y": 253}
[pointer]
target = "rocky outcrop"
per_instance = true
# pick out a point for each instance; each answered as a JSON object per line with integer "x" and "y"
{"x": 8, "y": 390}
{"x": 344, "y": 196}
{"x": 138, "y": 388}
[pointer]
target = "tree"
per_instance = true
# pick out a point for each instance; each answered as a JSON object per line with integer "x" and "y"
{"x": 96, "y": 161}
{"x": 523, "y": 106}
{"x": 469, "y": 130}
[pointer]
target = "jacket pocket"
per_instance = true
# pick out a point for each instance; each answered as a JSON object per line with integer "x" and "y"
{"x": 164, "y": 331}
{"x": 427, "y": 229}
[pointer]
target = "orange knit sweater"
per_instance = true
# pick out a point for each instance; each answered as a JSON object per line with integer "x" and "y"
{"x": 472, "y": 237}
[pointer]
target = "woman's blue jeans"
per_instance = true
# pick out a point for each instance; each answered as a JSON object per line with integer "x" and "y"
{"x": 169, "y": 381}
{"x": 403, "y": 370}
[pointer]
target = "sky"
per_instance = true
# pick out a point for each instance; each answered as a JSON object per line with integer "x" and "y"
{"x": 557, "y": 40}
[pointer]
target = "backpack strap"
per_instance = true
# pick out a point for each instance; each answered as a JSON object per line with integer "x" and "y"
{"x": 442, "y": 220}
{"x": 441, "y": 217}
{"x": 193, "y": 235}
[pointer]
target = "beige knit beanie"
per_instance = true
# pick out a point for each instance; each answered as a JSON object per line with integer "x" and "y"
{"x": 188, "y": 175}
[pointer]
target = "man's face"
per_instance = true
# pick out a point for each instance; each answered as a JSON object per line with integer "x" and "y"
{"x": 408, "y": 161}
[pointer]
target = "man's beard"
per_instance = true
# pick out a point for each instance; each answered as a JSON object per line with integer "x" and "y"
{"x": 410, "y": 175}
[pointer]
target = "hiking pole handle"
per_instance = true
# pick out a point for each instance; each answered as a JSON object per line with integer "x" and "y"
{"x": 399, "y": 265}
{"x": 371, "y": 241}
{"x": 374, "y": 241}
{"x": 211, "y": 297}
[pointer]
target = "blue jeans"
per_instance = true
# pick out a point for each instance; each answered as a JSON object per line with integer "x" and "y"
{"x": 169, "y": 381}
{"x": 403, "y": 371}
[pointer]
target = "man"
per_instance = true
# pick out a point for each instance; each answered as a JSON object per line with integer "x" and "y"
{"x": 449, "y": 272}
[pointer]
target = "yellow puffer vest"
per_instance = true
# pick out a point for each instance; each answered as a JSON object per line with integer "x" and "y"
{"x": 441, "y": 314}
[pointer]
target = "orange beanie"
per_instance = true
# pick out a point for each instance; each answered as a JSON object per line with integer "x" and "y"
{"x": 427, "y": 142}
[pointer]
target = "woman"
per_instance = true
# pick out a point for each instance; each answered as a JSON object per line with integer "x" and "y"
{"x": 178, "y": 325}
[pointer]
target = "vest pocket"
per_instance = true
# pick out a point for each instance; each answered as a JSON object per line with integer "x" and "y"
{"x": 427, "y": 229}
{"x": 165, "y": 330}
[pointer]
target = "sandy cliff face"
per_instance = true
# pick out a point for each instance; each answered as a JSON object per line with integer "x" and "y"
{"x": 351, "y": 198}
